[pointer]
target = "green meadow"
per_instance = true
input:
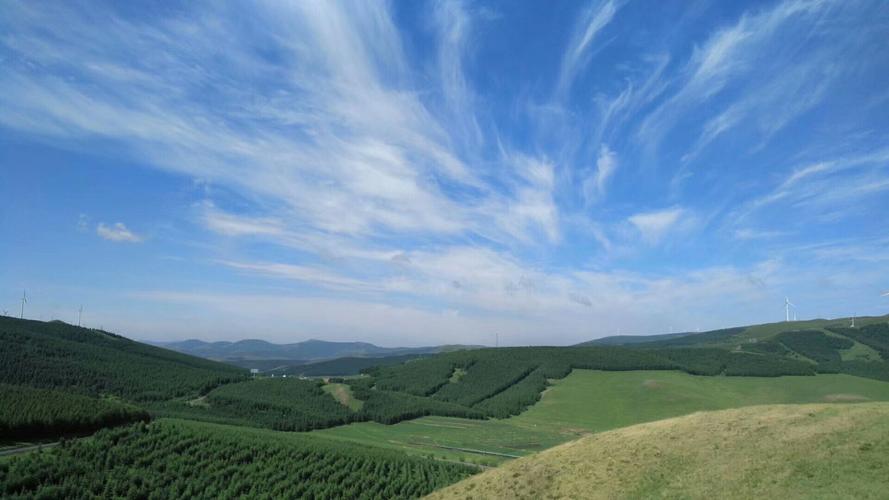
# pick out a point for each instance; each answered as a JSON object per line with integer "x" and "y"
{"x": 590, "y": 401}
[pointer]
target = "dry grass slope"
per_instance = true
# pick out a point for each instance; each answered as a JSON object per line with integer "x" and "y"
{"x": 780, "y": 451}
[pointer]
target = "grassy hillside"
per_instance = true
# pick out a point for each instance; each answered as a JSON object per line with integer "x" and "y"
{"x": 181, "y": 459}
{"x": 57, "y": 355}
{"x": 592, "y": 401}
{"x": 788, "y": 451}
{"x": 595, "y": 401}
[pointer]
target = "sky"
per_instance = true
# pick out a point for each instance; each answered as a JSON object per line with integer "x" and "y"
{"x": 418, "y": 173}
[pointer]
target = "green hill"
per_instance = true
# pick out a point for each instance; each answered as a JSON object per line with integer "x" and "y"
{"x": 830, "y": 346}
{"x": 787, "y": 451}
{"x": 56, "y": 355}
{"x": 588, "y": 401}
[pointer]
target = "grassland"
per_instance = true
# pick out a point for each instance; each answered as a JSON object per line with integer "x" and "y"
{"x": 343, "y": 394}
{"x": 784, "y": 451}
{"x": 590, "y": 401}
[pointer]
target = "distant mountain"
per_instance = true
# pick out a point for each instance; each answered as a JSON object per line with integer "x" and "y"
{"x": 266, "y": 355}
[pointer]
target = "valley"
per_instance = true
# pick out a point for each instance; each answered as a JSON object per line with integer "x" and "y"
{"x": 444, "y": 417}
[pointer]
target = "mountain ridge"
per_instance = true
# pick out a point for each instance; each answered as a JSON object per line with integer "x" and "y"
{"x": 297, "y": 352}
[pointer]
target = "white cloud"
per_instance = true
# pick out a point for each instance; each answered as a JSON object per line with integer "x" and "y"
{"x": 492, "y": 294}
{"x": 654, "y": 226}
{"x": 739, "y": 49}
{"x": 306, "y": 274}
{"x": 829, "y": 186}
{"x": 606, "y": 164}
{"x": 234, "y": 225}
{"x": 117, "y": 232}
{"x": 576, "y": 56}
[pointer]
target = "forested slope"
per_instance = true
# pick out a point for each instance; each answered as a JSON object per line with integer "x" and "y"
{"x": 181, "y": 459}
{"x": 503, "y": 382}
{"x": 58, "y": 355}
{"x": 30, "y": 413}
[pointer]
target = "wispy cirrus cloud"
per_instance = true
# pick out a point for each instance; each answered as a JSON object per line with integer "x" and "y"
{"x": 483, "y": 169}
{"x": 718, "y": 63}
{"x": 595, "y": 18}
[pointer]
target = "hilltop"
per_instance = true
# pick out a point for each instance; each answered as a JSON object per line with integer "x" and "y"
{"x": 734, "y": 336}
{"x": 783, "y": 451}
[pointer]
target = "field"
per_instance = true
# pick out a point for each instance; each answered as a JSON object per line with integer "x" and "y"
{"x": 592, "y": 401}
{"x": 784, "y": 451}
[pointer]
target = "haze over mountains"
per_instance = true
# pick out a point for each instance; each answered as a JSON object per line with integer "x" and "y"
{"x": 295, "y": 353}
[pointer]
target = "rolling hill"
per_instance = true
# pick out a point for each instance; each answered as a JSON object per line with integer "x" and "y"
{"x": 56, "y": 355}
{"x": 784, "y": 451}
{"x": 736, "y": 336}
{"x": 485, "y": 405}
{"x": 588, "y": 401}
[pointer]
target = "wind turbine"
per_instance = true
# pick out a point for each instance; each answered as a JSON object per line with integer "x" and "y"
{"x": 787, "y": 306}
{"x": 79, "y": 315}
{"x": 853, "y": 321}
{"x": 24, "y": 301}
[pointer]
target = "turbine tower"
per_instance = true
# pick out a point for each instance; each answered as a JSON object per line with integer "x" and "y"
{"x": 787, "y": 306}
{"x": 79, "y": 315}
{"x": 24, "y": 301}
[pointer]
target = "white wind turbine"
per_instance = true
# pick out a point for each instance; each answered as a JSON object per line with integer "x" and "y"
{"x": 24, "y": 301}
{"x": 787, "y": 306}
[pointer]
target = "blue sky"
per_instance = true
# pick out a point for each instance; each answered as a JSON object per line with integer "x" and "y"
{"x": 414, "y": 173}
